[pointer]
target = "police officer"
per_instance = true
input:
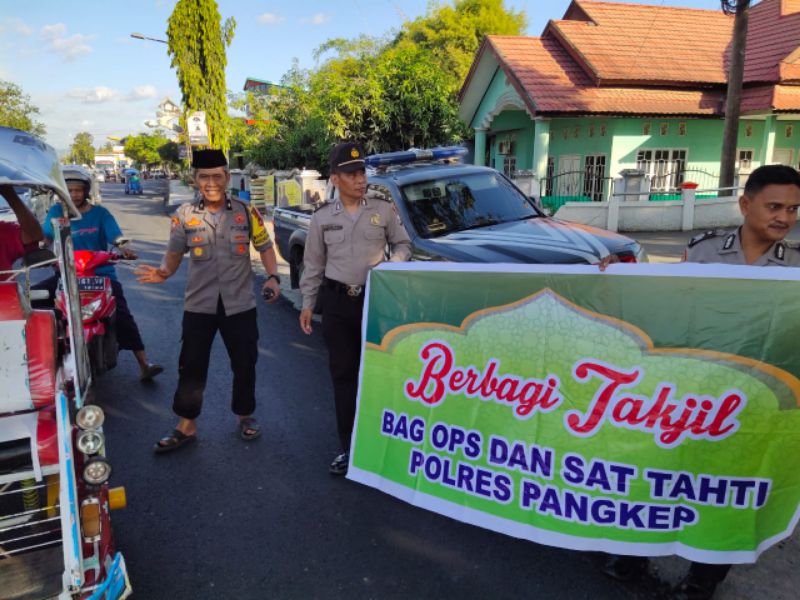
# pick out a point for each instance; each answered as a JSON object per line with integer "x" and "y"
{"x": 347, "y": 237}
{"x": 769, "y": 206}
{"x": 216, "y": 231}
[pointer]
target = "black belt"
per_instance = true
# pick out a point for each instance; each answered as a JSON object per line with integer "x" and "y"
{"x": 354, "y": 291}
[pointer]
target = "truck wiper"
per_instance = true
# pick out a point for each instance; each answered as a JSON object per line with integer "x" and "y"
{"x": 481, "y": 224}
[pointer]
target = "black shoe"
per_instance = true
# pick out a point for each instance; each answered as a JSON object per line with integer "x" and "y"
{"x": 694, "y": 588}
{"x": 340, "y": 464}
{"x": 625, "y": 568}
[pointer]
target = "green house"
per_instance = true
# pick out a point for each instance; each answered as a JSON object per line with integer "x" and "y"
{"x": 614, "y": 86}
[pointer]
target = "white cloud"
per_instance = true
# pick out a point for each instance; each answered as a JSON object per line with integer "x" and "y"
{"x": 141, "y": 92}
{"x": 270, "y": 19}
{"x": 14, "y": 24}
{"x": 316, "y": 19}
{"x": 86, "y": 123}
{"x": 95, "y": 95}
{"x": 68, "y": 47}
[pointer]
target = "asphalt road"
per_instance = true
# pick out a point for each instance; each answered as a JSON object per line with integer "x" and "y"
{"x": 224, "y": 518}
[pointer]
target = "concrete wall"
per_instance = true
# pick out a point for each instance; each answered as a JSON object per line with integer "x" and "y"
{"x": 654, "y": 216}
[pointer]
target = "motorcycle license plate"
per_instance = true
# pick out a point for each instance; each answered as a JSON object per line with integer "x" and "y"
{"x": 91, "y": 284}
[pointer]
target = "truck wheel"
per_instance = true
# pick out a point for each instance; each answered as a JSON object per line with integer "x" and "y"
{"x": 296, "y": 267}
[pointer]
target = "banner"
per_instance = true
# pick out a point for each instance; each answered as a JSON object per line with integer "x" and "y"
{"x": 647, "y": 410}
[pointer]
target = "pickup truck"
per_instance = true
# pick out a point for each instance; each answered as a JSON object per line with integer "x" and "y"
{"x": 462, "y": 213}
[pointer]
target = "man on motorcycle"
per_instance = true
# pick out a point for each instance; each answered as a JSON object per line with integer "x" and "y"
{"x": 97, "y": 229}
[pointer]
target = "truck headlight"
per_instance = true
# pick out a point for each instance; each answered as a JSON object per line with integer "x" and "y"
{"x": 96, "y": 471}
{"x": 90, "y": 416}
{"x": 90, "y": 441}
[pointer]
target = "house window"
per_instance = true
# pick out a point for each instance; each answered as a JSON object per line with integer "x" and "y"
{"x": 681, "y": 129}
{"x": 745, "y": 161}
{"x": 602, "y": 130}
{"x": 591, "y": 131}
{"x": 510, "y": 166}
{"x": 789, "y": 131}
{"x": 748, "y": 130}
{"x": 664, "y": 129}
{"x": 646, "y": 128}
{"x": 594, "y": 175}
{"x": 666, "y": 167}
{"x": 576, "y": 132}
{"x": 551, "y": 171}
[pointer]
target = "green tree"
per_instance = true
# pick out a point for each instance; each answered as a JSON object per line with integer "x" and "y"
{"x": 106, "y": 148}
{"x": 452, "y": 34}
{"x": 81, "y": 152}
{"x": 196, "y": 44}
{"x": 170, "y": 153}
{"x": 144, "y": 148}
{"x": 17, "y": 111}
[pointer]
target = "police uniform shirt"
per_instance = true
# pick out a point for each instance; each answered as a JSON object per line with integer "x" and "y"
{"x": 344, "y": 247}
{"x": 219, "y": 254}
{"x": 726, "y": 247}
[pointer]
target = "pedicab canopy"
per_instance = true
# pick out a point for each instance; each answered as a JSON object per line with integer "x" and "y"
{"x": 647, "y": 410}
{"x": 27, "y": 161}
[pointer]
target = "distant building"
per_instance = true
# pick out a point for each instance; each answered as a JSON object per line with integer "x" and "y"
{"x": 613, "y": 86}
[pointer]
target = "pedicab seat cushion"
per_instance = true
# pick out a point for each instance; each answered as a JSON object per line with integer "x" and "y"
{"x": 47, "y": 438}
{"x": 40, "y": 334}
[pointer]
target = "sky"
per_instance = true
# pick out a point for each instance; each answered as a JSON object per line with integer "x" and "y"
{"x": 79, "y": 65}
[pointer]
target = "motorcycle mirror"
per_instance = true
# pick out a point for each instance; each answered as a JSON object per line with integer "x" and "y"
{"x": 121, "y": 241}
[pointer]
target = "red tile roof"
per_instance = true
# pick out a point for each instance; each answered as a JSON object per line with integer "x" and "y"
{"x": 642, "y": 43}
{"x": 546, "y": 75}
{"x": 611, "y": 57}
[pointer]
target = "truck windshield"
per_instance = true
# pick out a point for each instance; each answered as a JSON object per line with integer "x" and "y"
{"x": 441, "y": 206}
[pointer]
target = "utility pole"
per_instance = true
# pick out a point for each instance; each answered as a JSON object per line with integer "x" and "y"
{"x": 733, "y": 100}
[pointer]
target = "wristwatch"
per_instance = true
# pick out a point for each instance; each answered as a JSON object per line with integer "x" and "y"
{"x": 275, "y": 277}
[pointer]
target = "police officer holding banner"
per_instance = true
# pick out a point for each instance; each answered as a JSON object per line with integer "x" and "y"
{"x": 347, "y": 237}
{"x": 769, "y": 206}
{"x": 216, "y": 231}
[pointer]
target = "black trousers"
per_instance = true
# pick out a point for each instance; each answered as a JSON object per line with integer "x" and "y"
{"x": 707, "y": 573}
{"x": 341, "y": 329}
{"x": 240, "y": 335}
{"x": 128, "y": 336}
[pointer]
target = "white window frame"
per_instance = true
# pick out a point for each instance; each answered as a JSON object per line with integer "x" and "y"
{"x": 663, "y": 173}
{"x": 596, "y": 192}
{"x": 739, "y": 167}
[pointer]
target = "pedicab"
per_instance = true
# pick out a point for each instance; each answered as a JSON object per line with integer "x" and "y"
{"x": 133, "y": 182}
{"x": 56, "y": 539}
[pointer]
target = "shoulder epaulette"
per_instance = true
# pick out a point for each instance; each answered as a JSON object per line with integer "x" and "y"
{"x": 321, "y": 206}
{"x": 706, "y": 235}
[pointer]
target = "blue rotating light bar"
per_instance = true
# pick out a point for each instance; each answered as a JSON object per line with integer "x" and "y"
{"x": 388, "y": 159}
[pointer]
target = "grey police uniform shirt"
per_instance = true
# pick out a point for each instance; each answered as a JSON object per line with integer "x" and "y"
{"x": 726, "y": 247}
{"x": 219, "y": 256}
{"x": 344, "y": 249}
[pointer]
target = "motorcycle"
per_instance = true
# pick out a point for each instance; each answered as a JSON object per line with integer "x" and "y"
{"x": 98, "y": 306}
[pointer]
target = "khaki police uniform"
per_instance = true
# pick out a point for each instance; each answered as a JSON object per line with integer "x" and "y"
{"x": 340, "y": 250}
{"x": 726, "y": 247}
{"x": 219, "y": 297}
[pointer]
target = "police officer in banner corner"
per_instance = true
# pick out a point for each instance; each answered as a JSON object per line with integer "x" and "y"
{"x": 769, "y": 206}
{"x": 347, "y": 237}
{"x": 216, "y": 231}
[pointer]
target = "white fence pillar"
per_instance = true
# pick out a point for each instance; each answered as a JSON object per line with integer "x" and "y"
{"x": 613, "y": 213}
{"x": 688, "y": 197}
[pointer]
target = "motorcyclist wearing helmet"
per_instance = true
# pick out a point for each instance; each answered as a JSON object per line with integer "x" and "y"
{"x": 97, "y": 230}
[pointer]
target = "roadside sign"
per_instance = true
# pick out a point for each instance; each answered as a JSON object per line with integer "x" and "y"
{"x": 198, "y": 129}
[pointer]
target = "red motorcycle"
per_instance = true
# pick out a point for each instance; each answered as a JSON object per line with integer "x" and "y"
{"x": 98, "y": 308}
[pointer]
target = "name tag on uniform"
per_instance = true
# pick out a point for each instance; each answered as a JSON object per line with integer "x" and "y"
{"x": 331, "y": 227}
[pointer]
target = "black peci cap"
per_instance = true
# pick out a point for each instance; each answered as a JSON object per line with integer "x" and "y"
{"x": 208, "y": 159}
{"x": 346, "y": 158}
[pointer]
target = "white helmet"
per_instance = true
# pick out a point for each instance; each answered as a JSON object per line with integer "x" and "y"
{"x": 78, "y": 173}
